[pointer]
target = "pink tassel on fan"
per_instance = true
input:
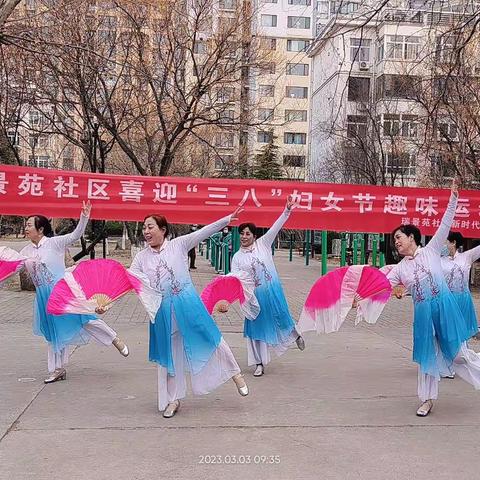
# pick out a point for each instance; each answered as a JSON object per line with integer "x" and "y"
{"x": 90, "y": 285}
{"x": 10, "y": 262}
{"x": 228, "y": 288}
{"x": 332, "y": 296}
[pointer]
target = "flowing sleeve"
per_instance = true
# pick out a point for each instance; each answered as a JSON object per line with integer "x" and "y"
{"x": 472, "y": 255}
{"x": 63, "y": 241}
{"x": 438, "y": 240}
{"x": 193, "y": 239}
{"x": 392, "y": 273}
{"x": 272, "y": 232}
{"x": 150, "y": 298}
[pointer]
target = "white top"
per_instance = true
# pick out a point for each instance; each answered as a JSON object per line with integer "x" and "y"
{"x": 422, "y": 274}
{"x": 46, "y": 261}
{"x": 257, "y": 258}
{"x": 165, "y": 271}
{"x": 457, "y": 269}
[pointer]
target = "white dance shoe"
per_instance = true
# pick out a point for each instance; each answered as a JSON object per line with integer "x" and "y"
{"x": 425, "y": 408}
{"x": 300, "y": 343}
{"x": 259, "y": 371}
{"x": 121, "y": 347}
{"x": 241, "y": 384}
{"x": 58, "y": 374}
{"x": 172, "y": 409}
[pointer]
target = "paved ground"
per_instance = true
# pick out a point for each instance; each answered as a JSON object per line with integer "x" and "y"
{"x": 342, "y": 409}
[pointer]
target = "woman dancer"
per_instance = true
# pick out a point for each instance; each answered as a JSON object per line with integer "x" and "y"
{"x": 439, "y": 328}
{"x": 456, "y": 267}
{"x": 183, "y": 336}
{"x": 46, "y": 265}
{"x": 274, "y": 327}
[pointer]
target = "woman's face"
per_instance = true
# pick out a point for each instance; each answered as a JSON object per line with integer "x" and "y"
{"x": 452, "y": 247}
{"x": 31, "y": 232}
{"x": 404, "y": 244}
{"x": 153, "y": 234}
{"x": 246, "y": 238}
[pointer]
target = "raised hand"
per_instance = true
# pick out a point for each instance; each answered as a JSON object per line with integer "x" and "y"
{"x": 236, "y": 213}
{"x": 454, "y": 188}
{"x": 86, "y": 208}
{"x": 290, "y": 203}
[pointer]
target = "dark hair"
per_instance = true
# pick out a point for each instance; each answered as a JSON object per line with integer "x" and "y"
{"x": 251, "y": 226}
{"x": 456, "y": 237}
{"x": 161, "y": 221}
{"x": 408, "y": 230}
{"x": 41, "y": 221}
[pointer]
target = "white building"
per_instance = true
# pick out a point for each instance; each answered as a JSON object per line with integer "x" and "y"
{"x": 364, "y": 102}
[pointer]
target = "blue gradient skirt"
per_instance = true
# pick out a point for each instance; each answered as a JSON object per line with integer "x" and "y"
{"x": 58, "y": 330}
{"x": 274, "y": 323}
{"x": 200, "y": 333}
{"x": 466, "y": 306}
{"x": 439, "y": 327}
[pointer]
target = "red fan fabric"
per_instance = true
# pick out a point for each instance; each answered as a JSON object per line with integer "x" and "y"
{"x": 332, "y": 296}
{"x": 73, "y": 294}
{"x": 228, "y": 288}
{"x": 10, "y": 262}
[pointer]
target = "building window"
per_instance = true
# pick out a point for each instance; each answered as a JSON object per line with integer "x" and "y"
{"x": 297, "y": 45}
{"x": 268, "y": 43}
{"x": 298, "y": 22}
{"x": 267, "y": 68}
{"x": 358, "y": 89}
{"x": 295, "y": 115}
{"x": 306, "y": 3}
{"x": 227, "y": 116}
{"x": 297, "y": 69}
{"x": 441, "y": 167}
{"x": 13, "y": 138}
{"x": 409, "y": 127}
{"x": 294, "y": 160}
{"x": 297, "y": 92}
{"x": 68, "y": 164}
{"x": 391, "y": 125}
{"x": 200, "y": 47}
{"x": 396, "y": 86}
{"x": 402, "y": 165}
{"x": 356, "y": 126}
{"x": 224, "y": 140}
{"x": 266, "y": 90}
{"x": 343, "y": 7}
{"x": 268, "y": 20}
{"x": 40, "y": 161}
{"x": 227, "y": 4}
{"x": 447, "y": 132}
{"x": 265, "y": 114}
{"x": 269, "y": 1}
{"x": 360, "y": 49}
{"x": 265, "y": 137}
{"x": 402, "y": 47}
{"x": 291, "y": 138}
{"x": 223, "y": 161}
{"x": 225, "y": 95}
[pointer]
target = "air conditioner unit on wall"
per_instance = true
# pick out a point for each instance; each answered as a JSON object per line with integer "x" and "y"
{"x": 365, "y": 66}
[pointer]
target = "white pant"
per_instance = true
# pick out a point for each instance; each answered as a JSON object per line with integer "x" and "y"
{"x": 466, "y": 365}
{"x": 259, "y": 352}
{"x": 221, "y": 367}
{"x": 96, "y": 329}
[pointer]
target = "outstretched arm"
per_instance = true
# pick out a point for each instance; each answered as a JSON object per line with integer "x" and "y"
{"x": 273, "y": 231}
{"x": 193, "y": 239}
{"x": 473, "y": 254}
{"x": 438, "y": 240}
{"x": 63, "y": 241}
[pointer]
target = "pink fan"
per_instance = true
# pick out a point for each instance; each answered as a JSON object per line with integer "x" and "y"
{"x": 332, "y": 296}
{"x": 228, "y": 288}
{"x": 92, "y": 284}
{"x": 10, "y": 262}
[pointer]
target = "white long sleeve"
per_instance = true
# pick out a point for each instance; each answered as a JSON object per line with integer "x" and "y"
{"x": 193, "y": 239}
{"x": 438, "y": 240}
{"x": 63, "y": 241}
{"x": 273, "y": 231}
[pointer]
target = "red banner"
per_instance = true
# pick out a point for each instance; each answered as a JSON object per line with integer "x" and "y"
{"x": 321, "y": 206}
